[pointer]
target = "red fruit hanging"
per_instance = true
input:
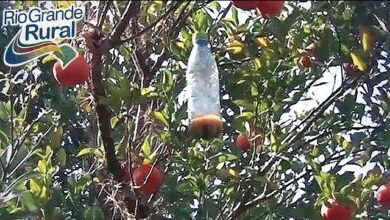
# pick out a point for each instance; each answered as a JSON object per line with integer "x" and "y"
{"x": 242, "y": 142}
{"x": 305, "y": 61}
{"x": 148, "y": 184}
{"x": 270, "y": 9}
{"x": 336, "y": 211}
{"x": 383, "y": 196}
{"x": 75, "y": 72}
{"x": 245, "y": 5}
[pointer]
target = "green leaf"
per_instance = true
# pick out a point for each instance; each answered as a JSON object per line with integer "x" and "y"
{"x": 4, "y": 138}
{"x": 114, "y": 121}
{"x": 168, "y": 81}
{"x": 227, "y": 157}
{"x": 234, "y": 16}
{"x": 297, "y": 165}
{"x": 214, "y": 6}
{"x": 146, "y": 147}
{"x": 315, "y": 166}
{"x": 20, "y": 180}
{"x": 246, "y": 116}
{"x": 61, "y": 156}
{"x": 211, "y": 208}
{"x": 371, "y": 180}
{"x": 246, "y": 104}
{"x": 90, "y": 151}
{"x": 326, "y": 181}
{"x": 316, "y": 152}
{"x": 347, "y": 146}
{"x": 275, "y": 143}
{"x": 28, "y": 201}
{"x": 176, "y": 50}
{"x": 160, "y": 117}
{"x": 125, "y": 52}
{"x": 93, "y": 213}
{"x": 200, "y": 21}
{"x": 238, "y": 124}
{"x": 184, "y": 187}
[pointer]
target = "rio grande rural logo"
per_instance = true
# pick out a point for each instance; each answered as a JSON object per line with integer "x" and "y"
{"x": 39, "y": 30}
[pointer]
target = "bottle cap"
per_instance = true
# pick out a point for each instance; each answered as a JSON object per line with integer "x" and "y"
{"x": 200, "y": 36}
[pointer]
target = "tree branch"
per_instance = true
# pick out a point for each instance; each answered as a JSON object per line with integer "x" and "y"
{"x": 104, "y": 116}
{"x": 151, "y": 25}
{"x": 103, "y": 14}
{"x": 131, "y": 10}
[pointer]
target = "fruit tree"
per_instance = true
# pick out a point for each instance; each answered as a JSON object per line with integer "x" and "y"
{"x": 303, "y": 131}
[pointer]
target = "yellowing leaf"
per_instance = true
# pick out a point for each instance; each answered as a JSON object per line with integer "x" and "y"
{"x": 87, "y": 107}
{"x": 347, "y": 146}
{"x": 263, "y": 41}
{"x": 42, "y": 167}
{"x": 181, "y": 44}
{"x": 90, "y": 151}
{"x": 275, "y": 145}
{"x": 38, "y": 188}
{"x": 236, "y": 46}
{"x": 257, "y": 63}
{"x": 146, "y": 147}
{"x": 43, "y": 197}
{"x": 367, "y": 38}
{"x": 227, "y": 173}
{"x": 371, "y": 180}
{"x": 150, "y": 158}
{"x": 234, "y": 173}
{"x": 65, "y": 4}
{"x": 160, "y": 117}
{"x": 360, "y": 59}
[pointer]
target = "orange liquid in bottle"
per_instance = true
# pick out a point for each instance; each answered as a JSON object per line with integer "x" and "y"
{"x": 205, "y": 126}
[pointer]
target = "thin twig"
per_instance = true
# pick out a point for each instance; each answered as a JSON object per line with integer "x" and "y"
{"x": 143, "y": 31}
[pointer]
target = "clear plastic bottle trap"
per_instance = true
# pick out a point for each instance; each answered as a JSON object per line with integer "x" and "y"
{"x": 203, "y": 91}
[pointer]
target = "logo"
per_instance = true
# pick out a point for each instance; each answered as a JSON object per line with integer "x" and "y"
{"x": 38, "y": 31}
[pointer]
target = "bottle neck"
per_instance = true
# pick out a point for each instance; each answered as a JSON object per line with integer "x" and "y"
{"x": 201, "y": 42}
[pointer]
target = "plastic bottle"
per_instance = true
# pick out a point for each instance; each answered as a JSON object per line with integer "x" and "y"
{"x": 203, "y": 91}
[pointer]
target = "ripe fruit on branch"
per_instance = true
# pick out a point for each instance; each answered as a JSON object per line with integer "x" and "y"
{"x": 305, "y": 61}
{"x": 242, "y": 142}
{"x": 245, "y": 5}
{"x": 148, "y": 178}
{"x": 383, "y": 196}
{"x": 206, "y": 126}
{"x": 75, "y": 72}
{"x": 270, "y": 9}
{"x": 336, "y": 211}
